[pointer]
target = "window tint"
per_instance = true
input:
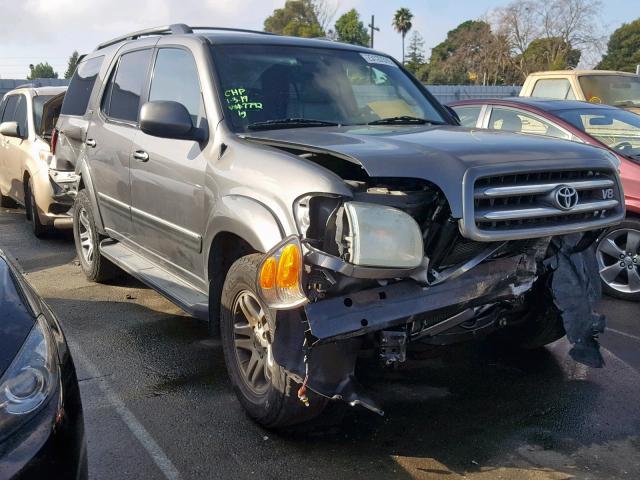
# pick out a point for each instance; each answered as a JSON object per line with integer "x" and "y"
{"x": 81, "y": 86}
{"x": 518, "y": 121}
{"x": 468, "y": 115}
{"x": 175, "y": 78}
{"x": 558, "y": 88}
{"x": 122, "y": 97}
{"x": 38, "y": 107}
{"x": 21, "y": 116}
{"x": 10, "y": 109}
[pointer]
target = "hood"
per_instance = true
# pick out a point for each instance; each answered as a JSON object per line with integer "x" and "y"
{"x": 16, "y": 317}
{"x": 441, "y": 155}
{"x": 635, "y": 110}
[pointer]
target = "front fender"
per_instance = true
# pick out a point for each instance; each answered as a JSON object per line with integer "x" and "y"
{"x": 82, "y": 169}
{"x": 248, "y": 219}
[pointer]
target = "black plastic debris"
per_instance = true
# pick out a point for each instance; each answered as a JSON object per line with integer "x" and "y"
{"x": 576, "y": 290}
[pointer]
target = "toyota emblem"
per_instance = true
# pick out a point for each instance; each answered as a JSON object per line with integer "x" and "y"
{"x": 565, "y": 197}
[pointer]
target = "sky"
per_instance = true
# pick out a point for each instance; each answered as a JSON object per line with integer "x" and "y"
{"x": 33, "y": 31}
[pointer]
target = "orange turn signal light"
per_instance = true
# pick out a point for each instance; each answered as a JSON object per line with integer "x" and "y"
{"x": 268, "y": 273}
{"x": 288, "y": 273}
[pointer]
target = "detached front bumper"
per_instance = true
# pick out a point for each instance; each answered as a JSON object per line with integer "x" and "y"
{"x": 375, "y": 309}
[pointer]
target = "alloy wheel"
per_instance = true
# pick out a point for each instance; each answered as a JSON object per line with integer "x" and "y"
{"x": 618, "y": 255}
{"x": 87, "y": 243}
{"x": 252, "y": 342}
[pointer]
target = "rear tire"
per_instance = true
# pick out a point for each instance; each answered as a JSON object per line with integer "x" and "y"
{"x": 265, "y": 390}
{"x": 37, "y": 227}
{"x": 87, "y": 239}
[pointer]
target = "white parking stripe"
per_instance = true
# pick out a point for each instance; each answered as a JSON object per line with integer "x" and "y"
{"x": 624, "y": 334}
{"x": 132, "y": 423}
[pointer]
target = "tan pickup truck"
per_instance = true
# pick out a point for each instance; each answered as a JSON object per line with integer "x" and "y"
{"x": 620, "y": 89}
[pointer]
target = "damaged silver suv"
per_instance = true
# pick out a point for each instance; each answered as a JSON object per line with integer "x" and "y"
{"x": 311, "y": 200}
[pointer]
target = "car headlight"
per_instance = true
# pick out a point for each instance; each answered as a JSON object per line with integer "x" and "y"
{"x": 381, "y": 236}
{"x": 28, "y": 383}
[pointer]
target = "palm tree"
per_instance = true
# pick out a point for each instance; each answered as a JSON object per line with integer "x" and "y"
{"x": 402, "y": 24}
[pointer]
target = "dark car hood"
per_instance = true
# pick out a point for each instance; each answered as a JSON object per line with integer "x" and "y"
{"x": 16, "y": 317}
{"x": 441, "y": 155}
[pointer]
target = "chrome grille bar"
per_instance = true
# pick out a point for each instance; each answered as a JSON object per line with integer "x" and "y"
{"x": 539, "y": 188}
{"x": 494, "y": 215}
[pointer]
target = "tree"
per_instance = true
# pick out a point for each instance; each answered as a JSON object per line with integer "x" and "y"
{"x": 350, "y": 29}
{"x": 623, "y": 49}
{"x": 298, "y": 18}
{"x": 566, "y": 26}
{"x": 550, "y": 54}
{"x": 402, "y": 24}
{"x": 471, "y": 54}
{"x": 71, "y": 65}
{"x": 41, "y": 70}
{"x": 415, "y": 53}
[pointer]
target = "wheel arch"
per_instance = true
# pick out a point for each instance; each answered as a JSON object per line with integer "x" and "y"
{"x": 85, "y": 182}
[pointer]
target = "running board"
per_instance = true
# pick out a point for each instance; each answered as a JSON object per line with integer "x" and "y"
{"x": 179, "y": 292}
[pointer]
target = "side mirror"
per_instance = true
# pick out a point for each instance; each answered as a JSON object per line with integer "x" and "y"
{"x": 453, "y": 113}
{"x": 168, "y": 120}
{"x": 10, "y": 129}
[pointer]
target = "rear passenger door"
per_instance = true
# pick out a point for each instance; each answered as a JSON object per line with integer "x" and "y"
{"x": 167, "y": 175}
{"x": 110, "y": 138}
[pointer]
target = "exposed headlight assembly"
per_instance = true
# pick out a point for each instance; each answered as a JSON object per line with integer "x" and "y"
{"x": 381, "y": 236}
{"x": 30, "y": 380}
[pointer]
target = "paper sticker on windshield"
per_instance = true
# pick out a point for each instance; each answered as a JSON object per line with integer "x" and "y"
{"x": 370, "y": 58}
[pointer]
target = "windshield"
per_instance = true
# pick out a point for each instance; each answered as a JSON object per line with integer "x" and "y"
{"x": 618, "y": 129}
{"x": 38, "y": 106}
{"x": 268, "y": 86}
{"x": 618, "y": 90}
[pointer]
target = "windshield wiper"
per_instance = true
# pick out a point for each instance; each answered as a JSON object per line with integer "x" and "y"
{"x": 290, "y": 123}
{"x": 405, "y": 120}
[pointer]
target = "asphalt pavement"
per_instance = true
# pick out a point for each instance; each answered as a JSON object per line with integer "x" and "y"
{"x": 158, "y": 404}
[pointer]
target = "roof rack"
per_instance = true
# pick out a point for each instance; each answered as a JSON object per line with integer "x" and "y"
{"x": 173, "y": 29}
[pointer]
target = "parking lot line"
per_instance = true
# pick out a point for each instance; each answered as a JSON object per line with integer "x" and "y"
{"x": 133, "y": 424}
{"x": 624, "y": 334}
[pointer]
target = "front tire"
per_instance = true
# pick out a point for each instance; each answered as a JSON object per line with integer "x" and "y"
{"x": 618, "y": 254}
{"x": 87, "y": 239}
{"x": 265, "y": 390}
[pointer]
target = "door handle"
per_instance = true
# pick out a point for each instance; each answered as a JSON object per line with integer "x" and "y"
{"x": 90, "y": 142}
{"x": 141, "y": 155}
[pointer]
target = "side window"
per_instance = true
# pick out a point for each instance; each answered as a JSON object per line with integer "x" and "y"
{"x": 3, "y": 103}
{"x": 10, "y": 109}
{"x": 20, "y": 116}
{"x": 122, "y": 96}
{"x": 81, "y": 86}
{"x": 175, "y": 78}
{"x": 558, "y": 88}
{"x": 517, "y": 121}
{"x": 468, "y": 115}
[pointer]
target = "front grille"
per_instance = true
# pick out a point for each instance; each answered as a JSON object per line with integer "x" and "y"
{"x": 520, "y": 205}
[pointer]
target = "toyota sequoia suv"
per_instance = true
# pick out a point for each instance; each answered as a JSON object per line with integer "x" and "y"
{"x": 312, "y": 201}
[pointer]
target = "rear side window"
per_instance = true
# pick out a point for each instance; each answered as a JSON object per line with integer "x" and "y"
{"x": 558, "y": 88}
{"x": 121, "y": 100}
{"x": 81, "y": 86}
{"x": 20, "y": 116}
{"x": 3, "y": 104}
{"x": 10, "y": 110}
{"x": 468, "y": 115}
{"x": 175, "y": 78}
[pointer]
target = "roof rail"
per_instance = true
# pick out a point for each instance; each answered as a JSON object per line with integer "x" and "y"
{"x": 228, "y": 29}
{"x": 176, "y": 28}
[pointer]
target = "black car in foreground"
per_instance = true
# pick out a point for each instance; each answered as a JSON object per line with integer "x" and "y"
{"x": 41, "y": 423}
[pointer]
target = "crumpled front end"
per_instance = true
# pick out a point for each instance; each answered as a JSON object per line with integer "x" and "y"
{"x": 391, "y": 267}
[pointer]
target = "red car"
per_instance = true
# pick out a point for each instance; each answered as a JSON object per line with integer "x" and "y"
{"x": 604, "y": 126}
